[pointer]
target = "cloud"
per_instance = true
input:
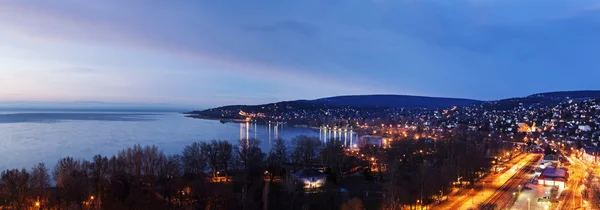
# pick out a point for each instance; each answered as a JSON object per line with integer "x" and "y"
{"x": 320, "y": 48}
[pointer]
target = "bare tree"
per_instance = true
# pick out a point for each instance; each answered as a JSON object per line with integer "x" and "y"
{"x": 332, "y": 156}
{"x": 72, "y": 180}
{"x": 250, "y": 158}
{"x": 152, "y": 159}
{"x": 14, "y": 187}
{"x": 39, "y": 183}
{"x": 307, "y": 149}
{"x": 99, "y": 176}
{"x": 132, "y": 158}
{"x": 210, "y": 153}
{"x": 170, "y": 169}
{"x": 250, "y": 155}
{"x": 224, "y": 155}
{"x": 277, "y": 156}
{"x": 193, "y": 160}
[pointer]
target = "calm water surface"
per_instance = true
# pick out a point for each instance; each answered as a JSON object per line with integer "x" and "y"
{"x": 27, "y": 138}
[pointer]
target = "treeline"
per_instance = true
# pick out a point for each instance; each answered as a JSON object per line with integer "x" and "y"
{"x": 205, "y": 175}
{"x": 423, "y": 172}
{"x": 219, "y": 175}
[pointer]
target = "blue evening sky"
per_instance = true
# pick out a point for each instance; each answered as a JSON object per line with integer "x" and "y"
{"x": 209, "y": 53}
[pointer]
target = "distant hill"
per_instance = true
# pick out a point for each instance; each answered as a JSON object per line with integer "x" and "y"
{"x": 394, "y": 101}
{"x": 397, "y": 101}
{"x": 355, "y": 101}
{"x": 562, "y": 95}
{"x": 542, "y": 99}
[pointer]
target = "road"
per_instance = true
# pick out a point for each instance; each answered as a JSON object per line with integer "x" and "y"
{"x": 471, "y": 198}
{"x": 594, "y": 187}
{"x": 576, "y": 187}
{"x": 506, "y": 194}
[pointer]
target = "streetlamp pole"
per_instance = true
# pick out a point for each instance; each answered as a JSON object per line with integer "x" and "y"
{"x": 528, "y": 203}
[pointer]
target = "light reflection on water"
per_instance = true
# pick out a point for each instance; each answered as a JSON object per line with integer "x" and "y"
{"x": 249, "y": 130}
{"x": 27, "y": 138}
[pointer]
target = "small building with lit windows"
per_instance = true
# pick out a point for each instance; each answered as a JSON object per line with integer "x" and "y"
{"x": 311, "y": 178}
{"x": 554, "y": 177}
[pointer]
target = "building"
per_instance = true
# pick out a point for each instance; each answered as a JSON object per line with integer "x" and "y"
{"x": 312, "y": 178}
{"x": 590, "y": 154}
{"x": 550, "y": 159}
{"x": 554, "y": 177}
{"x": 370, "y": 139}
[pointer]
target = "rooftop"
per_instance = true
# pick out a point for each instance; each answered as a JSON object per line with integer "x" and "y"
{"x": 310, "y": 172}
{"x": 554, "y": 173}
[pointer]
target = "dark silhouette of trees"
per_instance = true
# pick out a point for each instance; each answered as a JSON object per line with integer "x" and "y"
{"x": 132, "y": 160}
{"x": 14, "y": 188}
{"x": 152, "y": 159}
{"x": 143, "y": 177}
{"x": 333, "y": 157}
{"x": 250, "y": 159}
{"x": 218, "y": 155}
{"x": 306, "y": 150}
{"x": 417, "y": 176}
{"x": 376, "y": 154}
{"x": 249, "y": 155}
{"x": 99, "y": 176}
{"x": 211, "y": 155}
{"x": 224, "y": 155}
{"x": 72, "y": 181}
{"x": 169, "y": 172}
{"x": 39, "y": 183}
{"x": 277, "y": 156}
{"x": 192, "y": 159}
{"x": 548, "y": 150}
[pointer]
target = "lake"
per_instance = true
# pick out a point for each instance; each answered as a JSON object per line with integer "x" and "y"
{"x": 27, "y": 138}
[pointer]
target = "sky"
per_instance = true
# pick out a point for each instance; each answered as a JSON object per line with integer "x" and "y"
{"x": 211, "y": 53}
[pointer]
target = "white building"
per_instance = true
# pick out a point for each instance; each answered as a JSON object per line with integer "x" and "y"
{"x": 311, "y": 178}
{"x": 554, "y": 177}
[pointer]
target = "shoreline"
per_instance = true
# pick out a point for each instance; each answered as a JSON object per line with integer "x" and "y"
{"x": 229, "y": 120}
{"x": 213, "y": 118}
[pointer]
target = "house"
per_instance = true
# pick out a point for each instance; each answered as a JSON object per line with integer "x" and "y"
{"x": 554, "y": 177}
{"x": 312, "y": 178}
{"x": 550, "y": 159}
{"x": 590, "y": 154}
{"x": 370, "y": 139}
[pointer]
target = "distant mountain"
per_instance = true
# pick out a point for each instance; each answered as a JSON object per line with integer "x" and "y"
{"x": 394, "y": 101}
